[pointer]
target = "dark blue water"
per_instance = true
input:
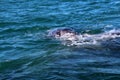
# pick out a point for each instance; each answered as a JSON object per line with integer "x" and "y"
{"x": 27, "y": 54}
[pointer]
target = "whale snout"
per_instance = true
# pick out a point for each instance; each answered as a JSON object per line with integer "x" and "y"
{"x": 60, "y": 31}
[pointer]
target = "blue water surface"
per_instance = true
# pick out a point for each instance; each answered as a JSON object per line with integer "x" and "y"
{"x": 27, "y": 54}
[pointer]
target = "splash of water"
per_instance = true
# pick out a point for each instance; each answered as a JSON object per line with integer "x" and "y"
{"x": 83, "y": 40}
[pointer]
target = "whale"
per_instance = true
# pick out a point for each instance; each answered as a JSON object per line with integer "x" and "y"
{"x": 70, "y": 34}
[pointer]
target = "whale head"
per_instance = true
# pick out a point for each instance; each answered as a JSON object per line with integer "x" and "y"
{"x": 63, "y": 33}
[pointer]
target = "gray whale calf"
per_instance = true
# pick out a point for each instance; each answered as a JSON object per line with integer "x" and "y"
{"x": 69, "y": 34}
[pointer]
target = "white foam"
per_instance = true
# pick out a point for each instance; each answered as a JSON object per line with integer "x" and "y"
{"x": 87, "y": 39}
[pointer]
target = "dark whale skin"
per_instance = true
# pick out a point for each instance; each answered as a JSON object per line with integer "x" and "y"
{"x": 56, "y": 31}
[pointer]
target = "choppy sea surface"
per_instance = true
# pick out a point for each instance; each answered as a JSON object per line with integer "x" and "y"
{"x": 26, "y": 53}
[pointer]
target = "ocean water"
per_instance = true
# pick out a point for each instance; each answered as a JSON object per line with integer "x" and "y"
{"x": 26, "y": 53}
